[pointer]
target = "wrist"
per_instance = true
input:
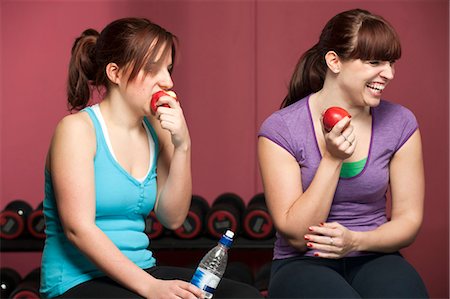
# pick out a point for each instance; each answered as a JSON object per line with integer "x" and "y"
{"x": 148, "y": 286}
{"x": 332, "y": 161}
{"x": 357, "y": 241}
{"x": 184, "y": 147}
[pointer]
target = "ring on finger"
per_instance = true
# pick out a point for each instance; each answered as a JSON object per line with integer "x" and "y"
{"x": 331, "y": 241}
{"x": 345, "y": 139}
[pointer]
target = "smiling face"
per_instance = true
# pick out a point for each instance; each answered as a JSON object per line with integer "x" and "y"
{"x": 363, "y": 81}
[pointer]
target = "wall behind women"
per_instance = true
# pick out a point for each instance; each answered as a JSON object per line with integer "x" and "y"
{"x": 235, "y": 63}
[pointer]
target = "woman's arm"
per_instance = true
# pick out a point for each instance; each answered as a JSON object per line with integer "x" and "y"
{"x": 174, "y": 164}
{"x": 407, "y": 184}
{"x": 293, "y": 210}
{"x": 71, "y": 165}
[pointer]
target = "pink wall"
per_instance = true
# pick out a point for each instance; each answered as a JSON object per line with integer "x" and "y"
{"x": 235, "y": 64}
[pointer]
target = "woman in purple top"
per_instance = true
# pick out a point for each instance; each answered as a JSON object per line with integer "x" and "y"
{"x": 326, "y": 191}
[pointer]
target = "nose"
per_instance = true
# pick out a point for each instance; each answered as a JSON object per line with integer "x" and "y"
{"x": 166, "y": 81}
{"x": 388, "y": 71}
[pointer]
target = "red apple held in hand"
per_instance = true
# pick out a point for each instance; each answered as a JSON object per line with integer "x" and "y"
{"x": 157, "y": 95}
{"x": 333, "y": 115}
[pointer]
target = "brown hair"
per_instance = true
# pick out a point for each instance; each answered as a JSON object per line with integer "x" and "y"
{"x": 352, "y": 34}
{"x": 126, "y": 42}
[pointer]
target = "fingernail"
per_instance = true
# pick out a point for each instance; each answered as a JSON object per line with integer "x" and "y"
{"x": 310, "y": 229}
{"x": 316, "y": 254}
{"x": 309, "y": 245}
{"x": 306, "y": 238}
{"x": 321, "y": 223}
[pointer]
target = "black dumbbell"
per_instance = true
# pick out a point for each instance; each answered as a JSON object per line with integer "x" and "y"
{"x": 13, "y": 219}
{"x": 194, "y": 224}
{"x": 36, "y": 222}
{"x": 225, "y": 213}
{"x": 239, "y": 271}
{"x": 29, "y": 286}
{"x": 262, "y": 279}
{"x": 153, "y": 228}
{"x": 9, "y": 281}
{"x": 258, "y": 223}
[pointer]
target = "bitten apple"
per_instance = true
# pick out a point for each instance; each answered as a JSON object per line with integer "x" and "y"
{"x": 157, "y": 95}
{"x": 332, "y": 116}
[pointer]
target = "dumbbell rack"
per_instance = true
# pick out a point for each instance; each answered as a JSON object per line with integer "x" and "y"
{"x": 30, "y": 244}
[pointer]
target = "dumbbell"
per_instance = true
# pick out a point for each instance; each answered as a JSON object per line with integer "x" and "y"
{"x": 258, "y": 223}
{"x": 153, "y": 228}
{"x": 29, "y": 286}
{"x": 36, "y": 222}
{"x": 239, "y": 272}
{"x": 194, "y": 224}
{"x": 13, "y": 219}
{"x": 262, "y": 279}
{"x": 225, "y": 213}
{"x": 9, "y": 281}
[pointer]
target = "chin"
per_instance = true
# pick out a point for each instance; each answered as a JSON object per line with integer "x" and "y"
{"x": 371, "y": 101}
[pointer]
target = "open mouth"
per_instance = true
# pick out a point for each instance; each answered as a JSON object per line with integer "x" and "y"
{"x": 376, "y": 88}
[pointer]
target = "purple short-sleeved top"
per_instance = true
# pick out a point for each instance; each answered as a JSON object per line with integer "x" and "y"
{"x": 359, "y": 202}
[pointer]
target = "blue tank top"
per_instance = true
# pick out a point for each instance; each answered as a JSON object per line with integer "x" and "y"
{"x": 122, "y": 204}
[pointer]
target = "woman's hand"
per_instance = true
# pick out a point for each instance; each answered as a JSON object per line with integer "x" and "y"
{"x": 330, "y": 240}
{"x": 340, "y": 142}
{"x": 164, "y": 289}
{"x": 172, "y": 119}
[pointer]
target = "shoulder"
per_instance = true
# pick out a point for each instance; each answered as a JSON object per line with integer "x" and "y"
{"x": 287, "y": 127}
{"x": 291, "y": 116}
{"x": 76, "y": 129}
{"x": 394, "y": 111}
{"x": 79, "y": 122}
{"x": 397, "y": 123}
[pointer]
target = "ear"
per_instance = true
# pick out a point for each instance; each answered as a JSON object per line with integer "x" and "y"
{"x": 113, "y": 72}
{"x": 333, "y": 61}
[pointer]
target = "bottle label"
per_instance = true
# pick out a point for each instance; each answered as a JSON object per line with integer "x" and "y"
{"x": 205, "y": 280}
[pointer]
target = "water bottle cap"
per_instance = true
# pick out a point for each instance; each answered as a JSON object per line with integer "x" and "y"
{"x": 227, "y": 238}
{"x": 229, "y": 234}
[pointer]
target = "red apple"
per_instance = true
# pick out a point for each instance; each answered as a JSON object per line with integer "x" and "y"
{"x": 333, "y": 115}
{"x": 157, "y": 95}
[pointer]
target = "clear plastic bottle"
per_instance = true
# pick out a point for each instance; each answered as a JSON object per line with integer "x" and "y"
{"x": 212, "y": 266}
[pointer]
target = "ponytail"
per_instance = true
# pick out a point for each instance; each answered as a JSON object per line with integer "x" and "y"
{"x": 82, "y": 70}
{"x": 308, "y": 77}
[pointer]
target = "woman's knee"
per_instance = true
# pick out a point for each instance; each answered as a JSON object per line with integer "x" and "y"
{"x": 389, "y": 276}
{"x": 304, "y": 280}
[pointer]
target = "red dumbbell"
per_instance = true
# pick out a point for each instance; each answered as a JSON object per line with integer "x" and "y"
{"x": 28, "y": 287}
{"x": 13, "y": 219}
{"x": 225, "y": 213}
{"x": 194, "y": 224}
{"x": 9, "y": 281}
{"x": 36, "y": 222}
{"x": 153, "y": 228}
{"x": 258, "y": 223}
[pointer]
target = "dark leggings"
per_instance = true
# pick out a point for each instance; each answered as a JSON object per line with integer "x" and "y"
{"x": 105, "y": 287}
{"x": 373, "y": 276}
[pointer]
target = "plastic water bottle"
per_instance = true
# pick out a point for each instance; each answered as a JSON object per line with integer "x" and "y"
{"x": 212, "y": 266}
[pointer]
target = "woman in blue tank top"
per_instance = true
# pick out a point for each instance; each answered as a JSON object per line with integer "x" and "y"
{"x": 326, "y": 190}
{"x": 112, "y": 163}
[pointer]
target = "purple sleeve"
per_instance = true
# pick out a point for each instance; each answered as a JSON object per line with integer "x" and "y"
{"x": 408, "y": 125}
{"x": 275, "y": 129}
